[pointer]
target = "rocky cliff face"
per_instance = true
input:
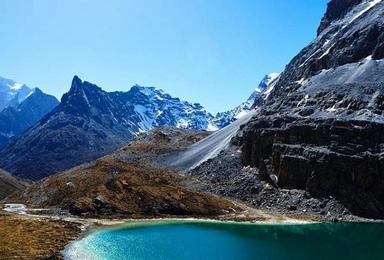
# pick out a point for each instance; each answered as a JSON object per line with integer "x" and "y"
{"x": 321, "y": 128}
{"x": 90, "y": 123}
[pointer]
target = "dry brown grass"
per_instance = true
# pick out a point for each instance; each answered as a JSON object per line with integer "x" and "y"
{"x": 111, "y": 188}
{"x": 24, "y": 238}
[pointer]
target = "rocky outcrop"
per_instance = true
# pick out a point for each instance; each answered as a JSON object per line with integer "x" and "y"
{"x": 324, "y": 157}
{"x": 226, "y": 176}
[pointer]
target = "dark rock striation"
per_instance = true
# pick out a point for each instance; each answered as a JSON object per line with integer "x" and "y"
{"x": 226, "y": 176}
{"x": 321, "y": 129}
{"x": 343, "y": 159}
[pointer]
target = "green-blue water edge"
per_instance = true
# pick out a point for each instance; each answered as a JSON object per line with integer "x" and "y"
{"x": 216, "y": 240}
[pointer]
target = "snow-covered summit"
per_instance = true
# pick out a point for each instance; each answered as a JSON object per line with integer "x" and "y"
{"x": 225, "y": 118}
{"x": 153, "y": 107}
{"x": 12, "y": 93}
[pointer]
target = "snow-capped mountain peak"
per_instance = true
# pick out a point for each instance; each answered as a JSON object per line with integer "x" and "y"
{"x": 140, "y": 109}
{"x": 225, "y": 118}
{"x": 12, "y": 93}
{"x": 267, "y": 80}
{"x": 156, "y": 108}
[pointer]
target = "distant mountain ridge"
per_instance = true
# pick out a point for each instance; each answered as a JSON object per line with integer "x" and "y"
{"x": 12, "y": 93}
{"x": 139, "y": 109}
{"x": 90, "y": 122}
{"x": 15, "y": 120}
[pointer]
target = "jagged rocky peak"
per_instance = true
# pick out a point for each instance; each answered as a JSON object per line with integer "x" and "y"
{"x": 85, "y": 98}
{"x": 336, "y": 9}
{"x": 80, "y": 89}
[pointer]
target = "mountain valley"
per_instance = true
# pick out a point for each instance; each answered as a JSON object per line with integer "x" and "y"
{"x": 306, "y": 146}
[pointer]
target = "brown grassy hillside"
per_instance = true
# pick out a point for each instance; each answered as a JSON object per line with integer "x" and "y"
{"x": 9, "y": 184}
{"x": 110, "y": 187}
{"x": 128, "y": 184}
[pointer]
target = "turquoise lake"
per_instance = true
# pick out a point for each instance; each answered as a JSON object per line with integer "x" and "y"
{"x": 212, "y": 240}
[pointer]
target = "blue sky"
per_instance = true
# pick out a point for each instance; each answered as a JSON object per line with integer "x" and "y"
{"x": 209, "y": 51}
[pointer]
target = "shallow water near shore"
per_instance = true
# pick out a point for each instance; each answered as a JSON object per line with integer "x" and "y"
{"x": 215, "y": 240}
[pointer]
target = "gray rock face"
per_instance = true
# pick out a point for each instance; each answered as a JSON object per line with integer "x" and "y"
{"x": 226, "y": 176}
{"x": 342, "y": 159}
{"x": 336, "y": 9}
{"x": 320, "y": 130}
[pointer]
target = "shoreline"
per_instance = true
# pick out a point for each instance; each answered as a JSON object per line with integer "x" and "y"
{"x": 249, "y": 216}
{"x": 144, "y": 222}
{"x": 70, "y": 248}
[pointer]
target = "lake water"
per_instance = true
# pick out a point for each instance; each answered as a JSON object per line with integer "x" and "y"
{"x": 210, "y": 240}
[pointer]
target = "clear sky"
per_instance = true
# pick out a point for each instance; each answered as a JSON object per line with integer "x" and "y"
{"x": 209, "y": 51}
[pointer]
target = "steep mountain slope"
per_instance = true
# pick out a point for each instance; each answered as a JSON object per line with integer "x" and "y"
{"x": 9, "y": 184}
{"x": 321, "y": 129}
{"x": 14, "y": 120}
{"x": 90, "y": 123}
{"x": 223, "y": 119}
{"x": 12, "y": 93}
{"x": 207, "y": 148}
